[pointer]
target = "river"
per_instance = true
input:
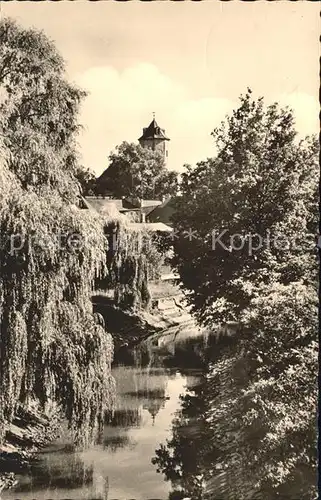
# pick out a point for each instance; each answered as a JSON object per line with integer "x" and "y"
{"x": 151, "y": 389}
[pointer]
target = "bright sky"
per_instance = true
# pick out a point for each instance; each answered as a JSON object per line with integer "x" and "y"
{"x": 186, "y": 61}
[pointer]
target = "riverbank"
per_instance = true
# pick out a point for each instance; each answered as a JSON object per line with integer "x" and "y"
{"x": 168, "y": 313}
{"x": 30, "y": 431}
{"x": 167, "y": 319}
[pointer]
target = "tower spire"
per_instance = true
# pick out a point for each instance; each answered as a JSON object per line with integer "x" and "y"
{"x": 154, "y": 138}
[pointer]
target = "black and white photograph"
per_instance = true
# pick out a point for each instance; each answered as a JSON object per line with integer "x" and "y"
{"x": 159, "y": 249}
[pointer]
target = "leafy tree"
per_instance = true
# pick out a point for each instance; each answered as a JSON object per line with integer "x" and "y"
{"x": 247, "y": 430}
{"x": 134, "y": 258}
{"x": 262, "y": 391}
{"x": 51, "y": 347}
{"x": 261, "y": 185}
{"x": 261, "y": 397}
{"x": 87, "y": 181}
{"x": 166, "y": 184}
{"x": 137, "y": 172}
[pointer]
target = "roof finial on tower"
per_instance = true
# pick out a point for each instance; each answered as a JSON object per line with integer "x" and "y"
{"x": 153, "y": 115}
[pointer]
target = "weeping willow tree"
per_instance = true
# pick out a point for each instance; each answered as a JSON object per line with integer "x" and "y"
{"x": 51, "y": 347}
{"x": 134, "y": 258}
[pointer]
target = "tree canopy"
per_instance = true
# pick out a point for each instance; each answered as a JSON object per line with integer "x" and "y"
{"x": 136, "y": 172}
{"x": 250, "y": 209}
{"x": 87, "y": 181}
{"x": 252, "y": 259}
{"x": 52, "y": 349}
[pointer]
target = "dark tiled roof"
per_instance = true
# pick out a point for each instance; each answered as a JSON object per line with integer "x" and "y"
{"x": 163, "y": 212}
{"x": 128, "y": 204}
{"x": 147, "y": 210}
{"x": 153, "y": 131}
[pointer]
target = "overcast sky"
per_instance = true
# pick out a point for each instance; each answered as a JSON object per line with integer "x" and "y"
{"x": 187, "y": 62}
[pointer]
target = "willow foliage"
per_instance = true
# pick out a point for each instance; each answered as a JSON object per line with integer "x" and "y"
{"x": 133, "y": 259}
{"x": 51, "y": 347}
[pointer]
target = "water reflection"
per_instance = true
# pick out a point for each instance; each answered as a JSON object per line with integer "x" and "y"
{"x": 61, "y": 474}
{"x": 124, "y": 418}
{"x": 159, "y": 400}
{"x": 113, "y": 443}
{"x": 141, "y": 389}
{"x": 181, "y": 458}
{"x": 48, "y": 470}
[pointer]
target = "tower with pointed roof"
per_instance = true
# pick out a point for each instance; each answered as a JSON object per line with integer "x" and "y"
{"x": 154, "y": 138}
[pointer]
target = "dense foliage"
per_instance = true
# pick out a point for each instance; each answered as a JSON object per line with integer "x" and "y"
{"x": 261, "y": 185}
{"x": 247, "y": 429}
{"x": 136, "y": 172}
{"x": 87, "y": 181}
{"x": 134, "y": 258}
{"x": 262, "y": 387}
{"x": 51, "y": 347}
{"x": 262, "y": 390}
